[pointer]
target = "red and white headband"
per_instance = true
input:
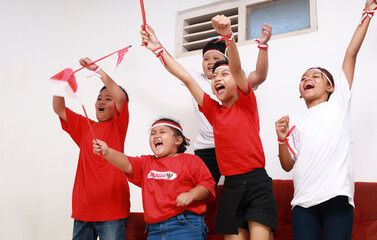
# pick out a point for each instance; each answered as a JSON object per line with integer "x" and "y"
{"x": 164, "y": 123}
{"x": 214, "y": 50}
{"x": 223, "y": 66}
{"x": 327, "y": 77}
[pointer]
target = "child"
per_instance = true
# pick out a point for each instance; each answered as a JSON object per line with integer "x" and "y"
{"x": 316, "y": 144}
{"x": 212, "y": 52}
{"x": 247, "y": 200}
{"x": 100, "y": 199}
{"x": 173, "y": 183}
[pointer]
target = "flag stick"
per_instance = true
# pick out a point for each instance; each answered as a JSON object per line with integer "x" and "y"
{"x": 143, "y": 14}
{"x": 100, "y": 59}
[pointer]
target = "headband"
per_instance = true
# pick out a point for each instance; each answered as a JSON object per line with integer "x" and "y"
{"x": 164, "y": 123}
{"x": 327, "y": 77}
{"x": 223, "y": 66}
{"x": 214, "y": 50}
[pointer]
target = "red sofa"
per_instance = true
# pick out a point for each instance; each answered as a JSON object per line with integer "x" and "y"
{"x": 365, "y": 214}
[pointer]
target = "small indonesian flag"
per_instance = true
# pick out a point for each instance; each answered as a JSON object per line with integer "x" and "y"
{"x": 64, "y": 84}
{"x": 110, "y": 66}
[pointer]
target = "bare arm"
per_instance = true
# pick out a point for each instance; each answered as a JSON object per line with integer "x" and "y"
{"x": 222, "y": 25}
{"x": 118, "y": 159}
{"x": 282, "y": 129}
{"x": 258, "y": 76}
{"x": 116, "y": 92}
{"x": 355, "y": 44}
{"x": 58, "y": 103}
{"x": 197, "y": 193}
{"x": 150, "y": 41}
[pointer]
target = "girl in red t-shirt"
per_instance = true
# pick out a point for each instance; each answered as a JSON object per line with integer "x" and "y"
{"x": 174, "y": 184}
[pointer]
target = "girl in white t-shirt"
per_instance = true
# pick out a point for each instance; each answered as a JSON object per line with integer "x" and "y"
{"x": 316, "y": 145}
{"x": 174, "y": 184}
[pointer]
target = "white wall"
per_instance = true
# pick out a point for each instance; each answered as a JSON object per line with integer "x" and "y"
{"x": 40, "y": 38}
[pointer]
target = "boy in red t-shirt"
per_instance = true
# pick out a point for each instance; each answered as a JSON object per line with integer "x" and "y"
{"x": 100, "y": 198}
{"x": 247, "y": 200}
{"x": 174, "y": 184}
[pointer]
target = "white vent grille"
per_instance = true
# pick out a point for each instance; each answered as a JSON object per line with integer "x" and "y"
{"x": 197, "y": 31}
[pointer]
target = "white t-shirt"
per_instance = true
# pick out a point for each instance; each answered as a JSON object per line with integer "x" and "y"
{"x": 204, "y": 139}
{"x": 321, "y": 140}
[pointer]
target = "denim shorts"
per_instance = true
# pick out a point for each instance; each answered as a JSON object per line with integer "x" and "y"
{"x": 184, "y": 226}
{"x": 107, "y": 230}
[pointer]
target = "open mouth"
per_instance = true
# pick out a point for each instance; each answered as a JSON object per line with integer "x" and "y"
{"x": 219, "y": 88}
{"x": 308, "y": 85}
{"x": 158, "y": 144}
{"x": 101, "y": 109}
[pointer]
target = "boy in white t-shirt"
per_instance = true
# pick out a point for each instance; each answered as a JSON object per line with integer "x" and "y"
{"x": 316, "y": 145}
{"x": 213, "y": 52}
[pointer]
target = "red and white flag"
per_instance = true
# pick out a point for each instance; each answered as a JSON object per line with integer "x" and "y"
{"x": 110, "y": 66}
{"x": 64, "y": 84}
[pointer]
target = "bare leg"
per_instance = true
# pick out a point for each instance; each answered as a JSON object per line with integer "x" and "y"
{"x": 242, "y": 235}
{"x": 259, "y": 231}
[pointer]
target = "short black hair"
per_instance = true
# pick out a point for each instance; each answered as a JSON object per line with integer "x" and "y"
{"x": 219, "y": 63}
{"x": 182, "y": 148}
{"x": 328, "y": 74}
{"x": 220, "y": 46}
{"x": 128, "y": 100}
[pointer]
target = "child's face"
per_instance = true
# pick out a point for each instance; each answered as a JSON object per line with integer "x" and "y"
{"x": 209, "y": 59}
{"x": 314, "y": 87}
{"x": 104, "y": 106}
{"x": 163, "y": 142}
{"x": 223, "y": 84}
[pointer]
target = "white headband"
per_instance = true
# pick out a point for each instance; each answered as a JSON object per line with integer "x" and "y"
{"x": 215, "y": 50}
{"x": 327, "y": 77}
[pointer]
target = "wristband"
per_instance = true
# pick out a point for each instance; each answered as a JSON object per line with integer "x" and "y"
{"x": 95, "y": 72}
{"x": 261, "y": 46}
{"x": 286, "y": 141}
{"x": 159, "y": 53}
{"x": 229, "y": 38}
{"x": 366, "y": 13}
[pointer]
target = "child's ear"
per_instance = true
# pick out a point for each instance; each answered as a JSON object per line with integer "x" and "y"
{"x": 178, "y": 140}
{"x": 330, "y": 89}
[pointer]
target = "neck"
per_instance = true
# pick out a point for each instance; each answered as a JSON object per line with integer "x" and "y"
{"x": 313, "y": 103}
{"x": 228, "y": 103}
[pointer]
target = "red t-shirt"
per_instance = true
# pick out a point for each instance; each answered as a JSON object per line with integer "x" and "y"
{"x": 163, "y": 179}
{"x": 236, "y": 130}
{"x": 100, "y": 192}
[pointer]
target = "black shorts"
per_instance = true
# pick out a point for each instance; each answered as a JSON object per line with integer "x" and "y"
{"x": 246, "y": 197}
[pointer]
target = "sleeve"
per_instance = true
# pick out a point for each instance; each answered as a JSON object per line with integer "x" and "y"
{"x": 202, "y": 176}
{"x": 249, "y": 100}
{"x": 123, "y": 118}
{"x": 137, "y": 173}
{"x": 209, "y": 108}
{"x": 342, "y": 93}
{"x": 75, "y": 125}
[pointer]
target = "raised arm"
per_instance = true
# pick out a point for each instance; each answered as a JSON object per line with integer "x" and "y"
{"x": 118, "y": 159}
{"x": 282, "y": 129}
{"x": 116, "y": 92}
{"x": 222, "y": 25}
{"x": 58, "y": 104}
{"x": 355, "y": 44}
{"x": 150, "y": 41}
{"x": 258, "y": 76}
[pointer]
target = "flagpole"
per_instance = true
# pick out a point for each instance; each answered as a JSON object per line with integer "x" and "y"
{"x": 143, "y": 14}
{"x": 100, "y": 59}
